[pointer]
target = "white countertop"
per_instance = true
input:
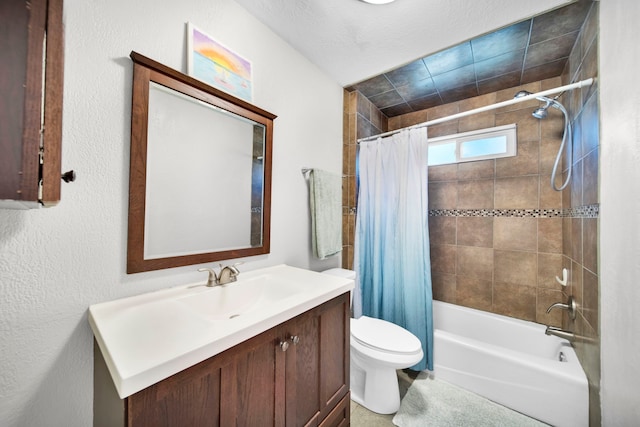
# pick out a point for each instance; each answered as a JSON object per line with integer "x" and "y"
{"x": 147, "y": 338}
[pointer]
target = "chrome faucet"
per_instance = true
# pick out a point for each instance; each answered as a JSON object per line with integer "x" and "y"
{"x": 568, "y": 335}
{"x": 561, "y": 333}
{"x": 228, "y": 274}
{"x": 570, "y": 306}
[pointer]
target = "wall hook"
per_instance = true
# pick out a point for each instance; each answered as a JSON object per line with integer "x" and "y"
{"x": 563, "y": 281}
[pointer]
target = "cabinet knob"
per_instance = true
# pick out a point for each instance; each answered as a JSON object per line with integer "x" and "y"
{"x": 284, "y": 345}
{"x": 295, "y": 339}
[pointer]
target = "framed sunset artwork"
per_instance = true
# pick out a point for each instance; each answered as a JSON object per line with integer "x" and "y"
{"x": 217, "y": 65}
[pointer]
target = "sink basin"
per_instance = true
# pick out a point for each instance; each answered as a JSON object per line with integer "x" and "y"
{"x": 147, "y": 338}
{"x": 237, "y": 298}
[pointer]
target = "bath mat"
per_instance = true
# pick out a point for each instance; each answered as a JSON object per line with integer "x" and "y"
{"x": 436, "y": 403}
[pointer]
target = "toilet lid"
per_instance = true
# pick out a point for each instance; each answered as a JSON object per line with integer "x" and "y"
{"x": 384, "y": 336}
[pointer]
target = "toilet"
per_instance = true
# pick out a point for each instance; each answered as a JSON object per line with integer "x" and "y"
{"x": 378, "y": 349}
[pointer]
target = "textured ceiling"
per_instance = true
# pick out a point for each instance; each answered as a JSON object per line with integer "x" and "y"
{"x": 528, "y": 51}
{"x": 353, "y": 41}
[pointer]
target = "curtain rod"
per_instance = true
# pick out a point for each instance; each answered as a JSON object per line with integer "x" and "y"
{"x": 572, "y": 86}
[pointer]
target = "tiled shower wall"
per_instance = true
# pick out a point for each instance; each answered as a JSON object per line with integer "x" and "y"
{"x": 580, "y": 230}
{"x": 495, "y": 225}
{"x": 360, "y": 119}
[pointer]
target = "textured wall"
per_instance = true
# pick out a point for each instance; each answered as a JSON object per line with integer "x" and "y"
{"x": 55, "y": 262}
{"x": 620, "y": 217}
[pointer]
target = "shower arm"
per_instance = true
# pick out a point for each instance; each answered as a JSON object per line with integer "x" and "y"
{"x": 572, "y": 86}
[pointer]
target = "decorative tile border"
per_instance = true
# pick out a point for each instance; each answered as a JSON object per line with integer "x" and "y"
{"x": 590, "y": 211}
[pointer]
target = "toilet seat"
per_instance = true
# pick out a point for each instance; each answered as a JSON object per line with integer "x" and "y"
{"x": 383, "y": 336}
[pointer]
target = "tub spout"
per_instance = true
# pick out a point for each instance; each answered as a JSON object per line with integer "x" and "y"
{"x": 570, "y": 306}
{"x": 561, "y": 333}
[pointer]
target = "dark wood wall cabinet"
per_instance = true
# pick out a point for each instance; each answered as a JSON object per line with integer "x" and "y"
{"x": 295, "y": 374}
{"x": 31, "y": 78}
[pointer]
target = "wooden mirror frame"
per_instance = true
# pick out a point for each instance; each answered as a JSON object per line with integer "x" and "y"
{"x": 145, "y": 71}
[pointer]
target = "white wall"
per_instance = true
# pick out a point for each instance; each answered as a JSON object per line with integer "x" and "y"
{"x": 56, "y": 262}
{"x": 620, "y": 211}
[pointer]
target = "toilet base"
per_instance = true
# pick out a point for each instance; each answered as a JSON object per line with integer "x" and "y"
{"x": 375, "y": 388}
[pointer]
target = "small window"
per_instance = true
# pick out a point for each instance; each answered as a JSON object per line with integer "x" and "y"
{"x": 481, "y": 144}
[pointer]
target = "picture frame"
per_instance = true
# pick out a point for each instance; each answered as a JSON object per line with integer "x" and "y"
{"x": 215, "y": 64}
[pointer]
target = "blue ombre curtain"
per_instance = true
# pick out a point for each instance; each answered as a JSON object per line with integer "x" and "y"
{"x": 392, "y": 236}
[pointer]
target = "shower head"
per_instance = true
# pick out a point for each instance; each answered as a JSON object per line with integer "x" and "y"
{"x": 541, "y": 112}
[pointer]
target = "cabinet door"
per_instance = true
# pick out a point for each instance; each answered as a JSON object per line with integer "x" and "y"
{"x": 30, "y": 102}
{"x": 238, "y": 387}
{"x": 317, "y": 369}
{"x": 334, "y": 353}
{"x": 188, "y": 398}
{"x": 254, "y": 386}
{"x": 302, "y": 371}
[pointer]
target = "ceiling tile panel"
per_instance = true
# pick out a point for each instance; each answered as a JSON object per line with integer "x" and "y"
{"x": 459, "y": 93}
{"x": 425, "y": 102}
{"x": 397, "y": 110}
{"x": 449, "y": 59}
{"x": 456, "y": 78}
{"x": 498, "y": 83}
{"x": 544, "y": 71}
{"x": 499, "y": 65}
{"x": 386, "y": 99}
{"x": 374, "y": 86}
{"x": 408, "y": 74}
{"x": 417, "y": 89}
{"x": 513, "y": 38}
{"x": 550, "y": 50}
{"x": 561, "y": 21}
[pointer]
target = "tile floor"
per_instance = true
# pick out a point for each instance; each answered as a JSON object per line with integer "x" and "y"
{"x": 362, "y": 417}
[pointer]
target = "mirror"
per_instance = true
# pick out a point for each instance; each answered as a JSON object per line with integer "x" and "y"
{"x": 200, "y": 173}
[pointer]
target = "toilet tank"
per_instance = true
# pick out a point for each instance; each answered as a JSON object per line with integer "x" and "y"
{"x": 347, "y": 274}
{"x": 341, "y": 272}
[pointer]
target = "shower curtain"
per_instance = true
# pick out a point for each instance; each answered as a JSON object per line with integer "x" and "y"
{"x": 391, "y": 256}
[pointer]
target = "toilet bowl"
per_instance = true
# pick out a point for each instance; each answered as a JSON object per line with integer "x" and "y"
{"x": 378, "y": 349}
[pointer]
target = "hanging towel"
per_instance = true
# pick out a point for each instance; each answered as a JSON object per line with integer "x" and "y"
{"x": 326, "y": 212}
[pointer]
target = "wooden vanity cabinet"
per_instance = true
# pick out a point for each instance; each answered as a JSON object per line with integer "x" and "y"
{"x": 31, "y": 78}
{"x": 295, "y": 374}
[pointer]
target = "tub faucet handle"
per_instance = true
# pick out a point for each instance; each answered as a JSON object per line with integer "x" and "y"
{"x": 570, "y": 306}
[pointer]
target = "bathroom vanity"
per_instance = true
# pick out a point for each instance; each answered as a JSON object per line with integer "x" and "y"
{"x": 277, "y": 354}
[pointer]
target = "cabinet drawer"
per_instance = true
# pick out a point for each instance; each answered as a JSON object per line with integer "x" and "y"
{"x": 341, "y": 414}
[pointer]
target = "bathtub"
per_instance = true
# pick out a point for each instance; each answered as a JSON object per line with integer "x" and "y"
{"x": 511, "y": 362}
